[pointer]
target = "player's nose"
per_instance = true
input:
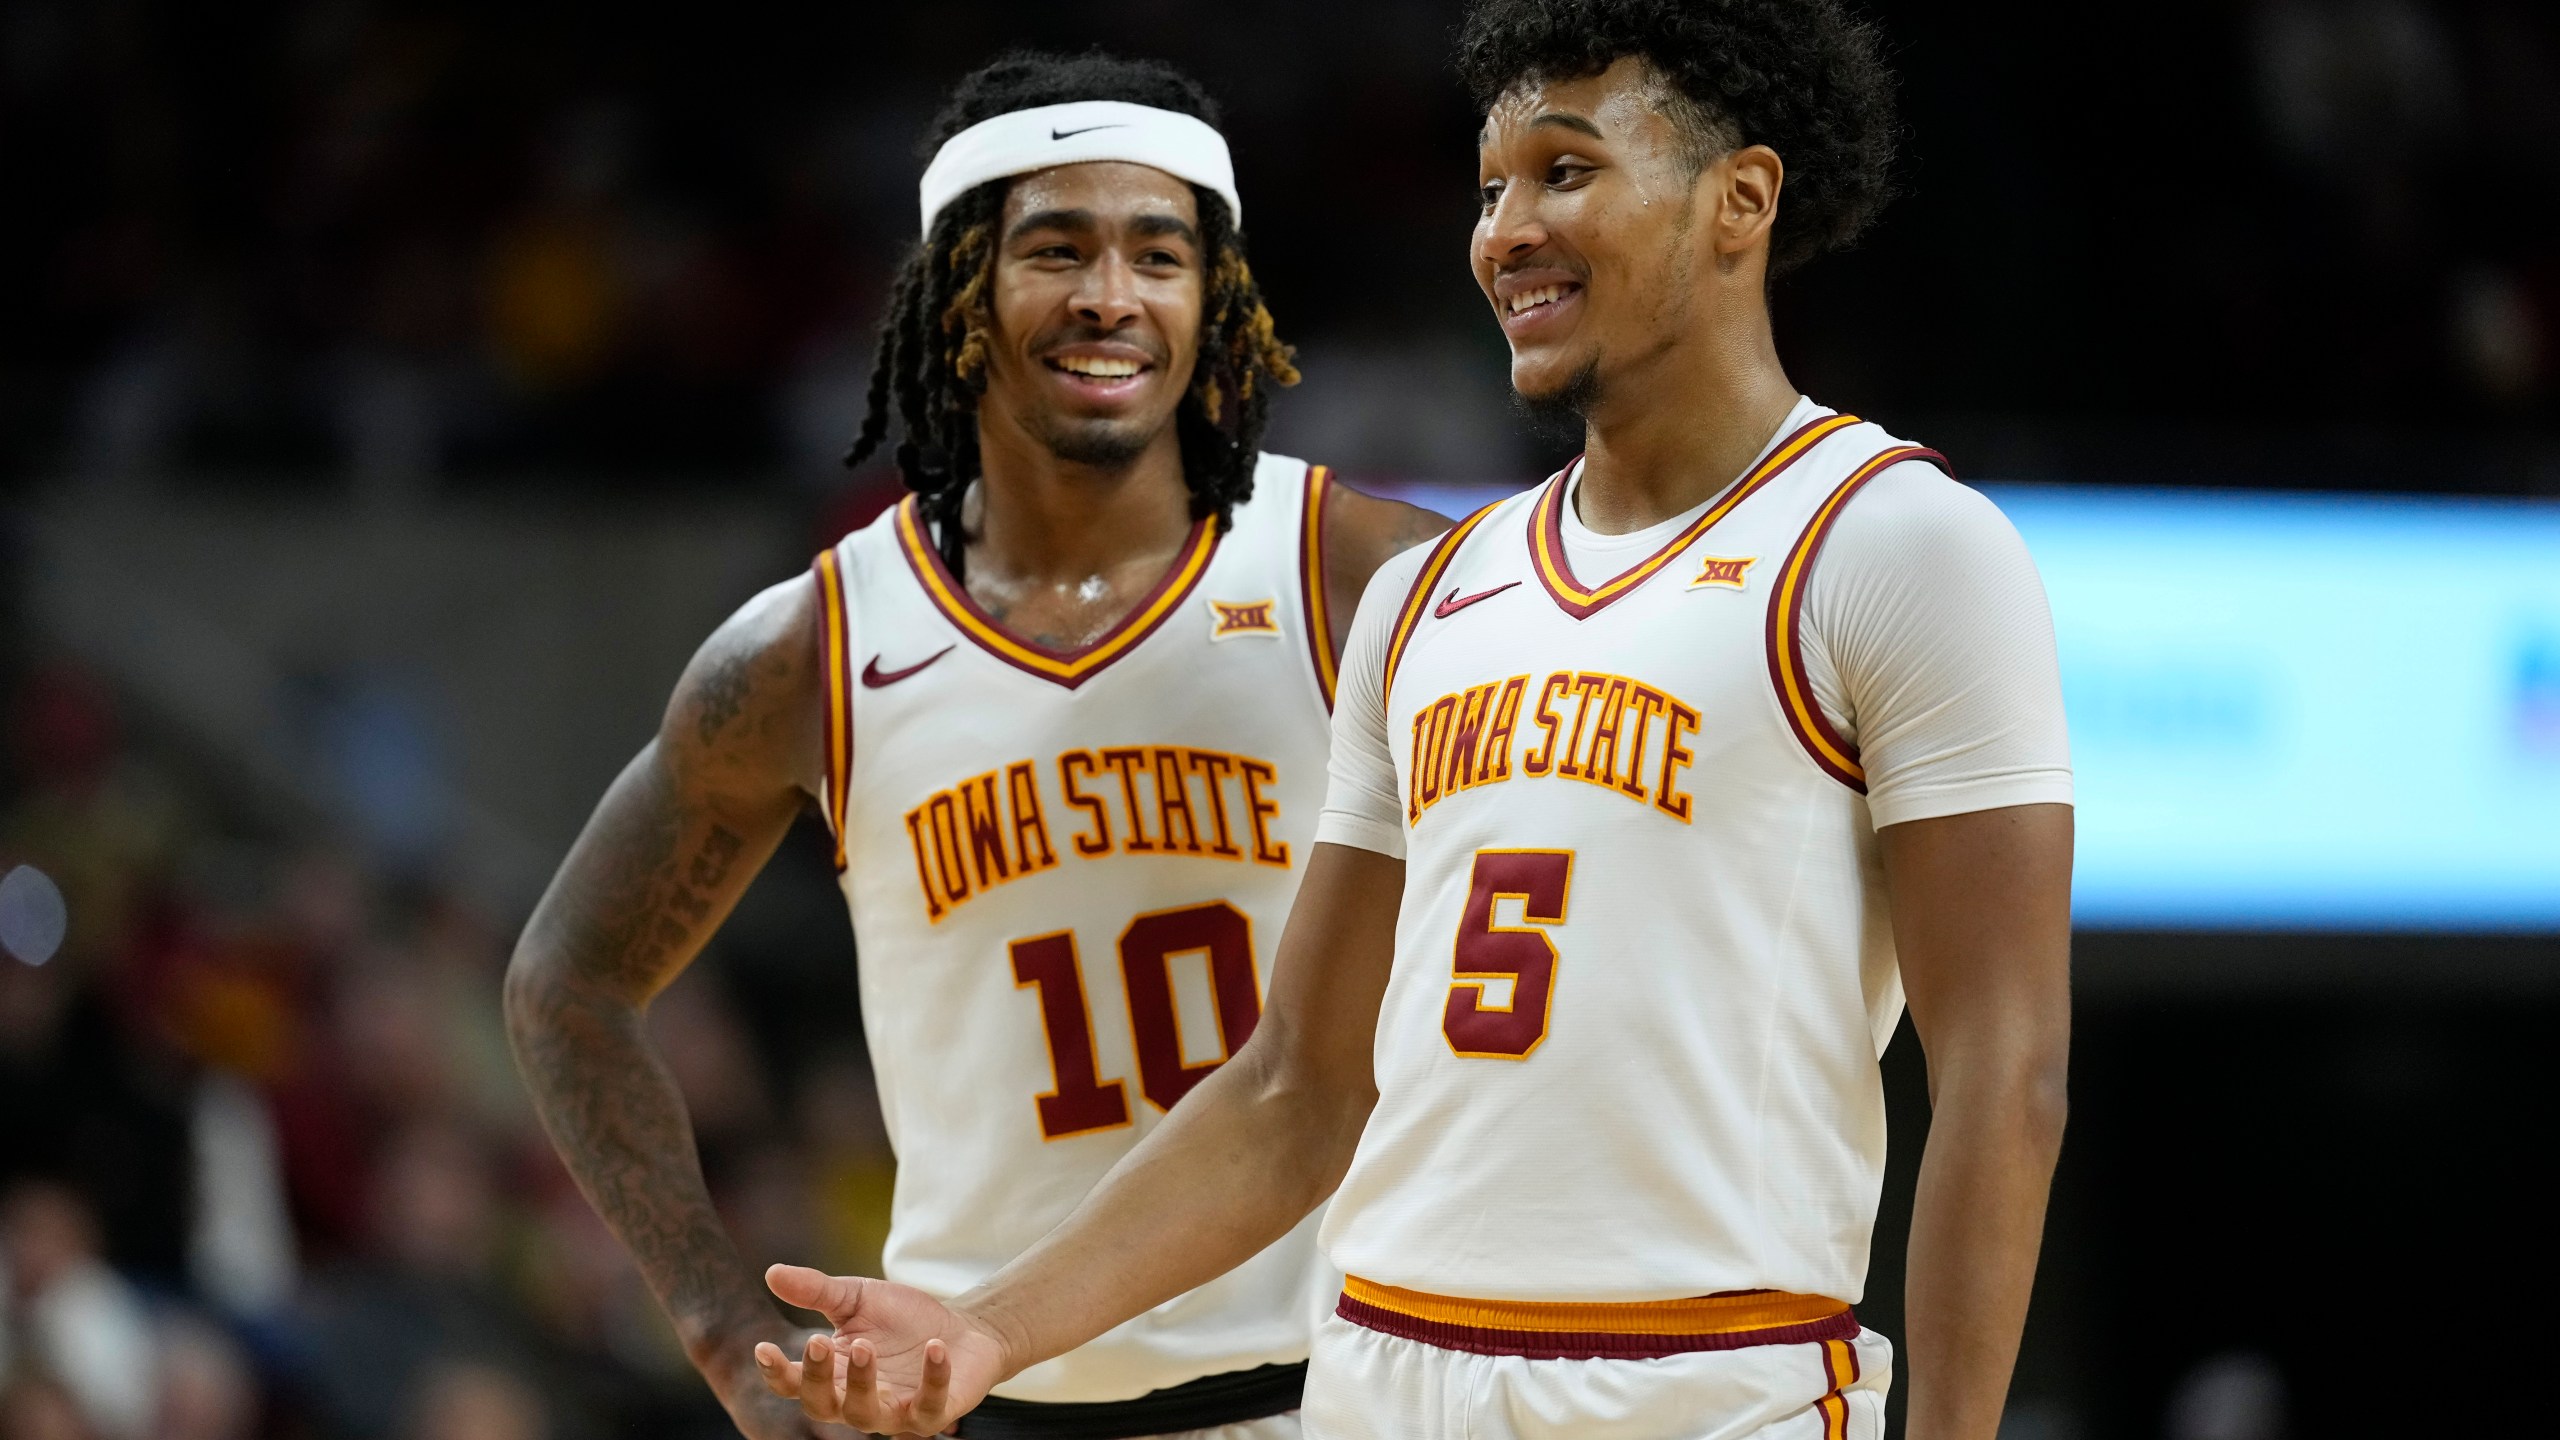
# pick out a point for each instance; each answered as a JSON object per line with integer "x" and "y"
{"x": 1511, "y": 230}
{"x": 1109, "y": 295}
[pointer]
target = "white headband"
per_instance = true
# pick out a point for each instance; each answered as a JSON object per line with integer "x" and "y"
{"x": 1075, "y": 134}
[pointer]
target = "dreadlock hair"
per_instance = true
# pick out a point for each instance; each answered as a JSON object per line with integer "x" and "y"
{"x": 1803, "y": 77}
{"x": 932, "y": 357}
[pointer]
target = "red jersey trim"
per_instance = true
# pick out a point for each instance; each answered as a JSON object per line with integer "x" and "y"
{"x": 1813, "y": 730}
{"x": 1839, "y": 1371}
{"x": 1068, "y": 668}
{"x": 1417, "y": 601}
{"x": 1311, "y": 583}
{"x": 838, "y": 667}
{"x": 1595, "y": 1331}
{"x": 1546, "y": 523}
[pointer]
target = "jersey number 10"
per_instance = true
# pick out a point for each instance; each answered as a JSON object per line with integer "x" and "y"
{"x": 1083, "y": 1101}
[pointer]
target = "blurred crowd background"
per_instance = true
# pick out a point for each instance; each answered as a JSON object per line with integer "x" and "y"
{"x": 464, "y": 244}
{"x": 392, "y": 394}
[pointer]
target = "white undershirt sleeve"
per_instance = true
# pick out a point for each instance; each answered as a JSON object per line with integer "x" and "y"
{"x": 1930, "y": 647}
{"x": 1361, "y": 803}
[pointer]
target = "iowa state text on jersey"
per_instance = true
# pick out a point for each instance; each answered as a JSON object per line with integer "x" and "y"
{"x": 993, "y": 828}
{"x": 1586, "y": 725}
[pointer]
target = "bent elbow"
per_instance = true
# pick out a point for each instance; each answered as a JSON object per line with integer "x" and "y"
{"x": 524, "y": 997}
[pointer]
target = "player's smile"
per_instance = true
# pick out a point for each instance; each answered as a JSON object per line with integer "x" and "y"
{"x": 1537, "y": 304}
{"x": 1096, "y": 298}
{"x": 1588, "y": 232}
{"x": 1102, "y": 376}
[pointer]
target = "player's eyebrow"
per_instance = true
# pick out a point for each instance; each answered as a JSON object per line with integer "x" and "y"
{"x": 1173, "y": 225}
{"x": 1568, "y": 121}
{"x": 1050, "y": 220}
{"x": 1083, "y": 220}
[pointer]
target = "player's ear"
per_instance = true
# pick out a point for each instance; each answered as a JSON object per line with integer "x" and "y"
{"x": 1744, "y": 186}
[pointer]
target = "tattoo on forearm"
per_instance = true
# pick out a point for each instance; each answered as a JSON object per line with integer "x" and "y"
{"x": 611, "y": 1108}
{"x": 666, "y": 851}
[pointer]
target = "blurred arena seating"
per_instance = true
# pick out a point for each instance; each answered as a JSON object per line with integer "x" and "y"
{"x": 392, "y": 394}
{"x": 261, "y": 1124}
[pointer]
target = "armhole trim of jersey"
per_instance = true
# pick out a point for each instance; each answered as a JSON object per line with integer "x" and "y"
{"x": 1814, "y": 730}
{"x": 1418, "y": 598}
{"x": 839, "y": 679}
{"x": 1311, "y": 593}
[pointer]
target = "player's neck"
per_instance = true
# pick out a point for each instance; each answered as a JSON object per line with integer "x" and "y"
{"x": 1669, "y": 434}
{"x": 1035, "y": 518}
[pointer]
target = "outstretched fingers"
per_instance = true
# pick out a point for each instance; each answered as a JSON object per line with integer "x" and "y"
{"x": 822, "y": 1384}
{"x": 934, "y": 1395}
{"x": 863, "y": 1383}
{"x": 834, "y": 1296}
{"x": 838, "y": 1381}
{"x": 781, "y": 1373}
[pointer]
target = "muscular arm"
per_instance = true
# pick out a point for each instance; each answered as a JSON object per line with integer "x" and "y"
{"x": 1361, "y": 533}
{"x": 675, "y": 841}
{"x": 1982, "y": 919}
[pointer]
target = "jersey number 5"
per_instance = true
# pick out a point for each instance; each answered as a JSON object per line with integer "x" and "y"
{"x": 1489, "y": 952}
{"x": 1083, "y": 1101}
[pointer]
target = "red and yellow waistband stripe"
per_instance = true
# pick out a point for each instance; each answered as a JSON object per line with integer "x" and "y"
{"x": 1417, "y": 601}
{"x": 1552, "y": 1330}
{"x": 1839, "y": 1372}
{"x": 1546, "y": 523}
{"x": 839, "y": 678}
{"x": 1311, "y": 583}
{"x": 1837, "y": 757}
{"x": 1070, "y": 669}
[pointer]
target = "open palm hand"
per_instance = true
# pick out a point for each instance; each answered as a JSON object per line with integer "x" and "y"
{"x": 899, "y": 1363}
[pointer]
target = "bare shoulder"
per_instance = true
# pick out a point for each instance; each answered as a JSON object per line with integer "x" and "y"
{"x": 1363, "y": 532}
{"x": 748, "y": 708}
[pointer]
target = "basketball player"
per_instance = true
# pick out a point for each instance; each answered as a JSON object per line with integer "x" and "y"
{"x": 1654, "y": 791}
{"x": 1065, "y": 711}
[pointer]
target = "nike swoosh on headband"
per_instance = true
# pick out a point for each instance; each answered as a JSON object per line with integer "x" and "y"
{"x": 1019, "y": 142}
{"x": 873, "y": 677}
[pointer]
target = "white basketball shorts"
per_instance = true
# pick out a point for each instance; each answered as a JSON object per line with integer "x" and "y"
{"x": 1394, "y": 1364}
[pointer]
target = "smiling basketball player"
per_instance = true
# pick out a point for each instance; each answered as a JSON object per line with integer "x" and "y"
{"x": 1065, "y": 710}
{"x": 1655, "y": 790}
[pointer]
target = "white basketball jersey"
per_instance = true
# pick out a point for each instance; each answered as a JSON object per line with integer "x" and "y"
{"x": 1643, "y": 969}
{"x": 1068, "y": 874}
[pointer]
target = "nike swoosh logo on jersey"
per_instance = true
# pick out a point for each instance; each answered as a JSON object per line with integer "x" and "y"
{"x": 1063, "y": 134}
{"x": 873, "y": 677}
{"x": 1453, "y": 602}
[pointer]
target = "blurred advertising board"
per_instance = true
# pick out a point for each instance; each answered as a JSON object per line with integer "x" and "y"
{"x": 2294, "y": 710}
{"x": 2305, "y": 710}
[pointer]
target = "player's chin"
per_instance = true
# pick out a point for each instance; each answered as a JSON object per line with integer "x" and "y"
{"x": 1104, "y": 439}
{"x": 1551, "y": 381}
{"x": 1547, "y": 363}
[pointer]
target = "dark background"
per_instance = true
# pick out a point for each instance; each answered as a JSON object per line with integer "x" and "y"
{"x": 2305, "y": 242}
{"x": 430, "y": 377}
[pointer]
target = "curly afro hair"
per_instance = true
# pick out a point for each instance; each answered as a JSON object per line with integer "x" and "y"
{"x": 1803, "y": 77}
{"x": 930, "y": 368}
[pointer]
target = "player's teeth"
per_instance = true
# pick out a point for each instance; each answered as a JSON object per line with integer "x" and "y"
{"x": 1100, "y": 369}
